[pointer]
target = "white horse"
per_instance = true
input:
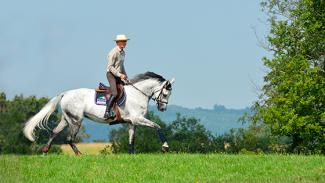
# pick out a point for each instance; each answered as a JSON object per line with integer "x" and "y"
{"x": 79, "y": 103}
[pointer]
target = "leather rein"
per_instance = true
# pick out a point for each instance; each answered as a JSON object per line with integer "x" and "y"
{"x": 157, "y": 99}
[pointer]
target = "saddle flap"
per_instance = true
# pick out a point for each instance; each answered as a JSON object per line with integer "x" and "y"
{"x": 103, "y": 92}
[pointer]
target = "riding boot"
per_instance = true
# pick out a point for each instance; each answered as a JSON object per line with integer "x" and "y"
{"x": 109, "y": 112}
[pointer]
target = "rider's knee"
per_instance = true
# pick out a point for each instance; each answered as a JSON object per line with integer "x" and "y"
{"x": 114, "y": 94}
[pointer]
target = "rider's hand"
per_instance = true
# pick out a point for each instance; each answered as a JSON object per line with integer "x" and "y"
{"x": 123, "y": 77}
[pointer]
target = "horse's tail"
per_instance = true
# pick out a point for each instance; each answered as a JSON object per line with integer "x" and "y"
{"x": 41, "y": 118}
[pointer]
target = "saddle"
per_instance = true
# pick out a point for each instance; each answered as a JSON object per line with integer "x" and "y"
{"x": 103, "y": 90}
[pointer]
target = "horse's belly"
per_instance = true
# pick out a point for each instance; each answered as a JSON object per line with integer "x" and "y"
{"x": 97, "y": 118}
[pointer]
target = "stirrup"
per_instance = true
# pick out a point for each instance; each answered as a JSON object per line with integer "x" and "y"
{"x": 109, "y": 114}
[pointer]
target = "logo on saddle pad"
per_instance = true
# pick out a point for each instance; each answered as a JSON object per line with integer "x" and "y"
{"x": 101, "y": 95}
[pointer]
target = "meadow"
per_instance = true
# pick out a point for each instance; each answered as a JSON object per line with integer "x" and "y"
{"x": 162, "y": 168}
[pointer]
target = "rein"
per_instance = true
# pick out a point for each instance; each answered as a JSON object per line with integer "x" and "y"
{"x": 150, "y": 97}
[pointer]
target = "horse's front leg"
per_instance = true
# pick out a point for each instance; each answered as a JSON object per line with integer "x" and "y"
{"x": 146, "y": 122}
{"x": 131, "y": 138}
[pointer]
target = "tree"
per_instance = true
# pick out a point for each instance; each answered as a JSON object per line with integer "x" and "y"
{"x": 188, "y": 135}
{"x": 292, "y": 102}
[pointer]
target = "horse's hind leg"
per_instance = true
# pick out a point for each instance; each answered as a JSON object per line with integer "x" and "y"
{"x": 63, "y": 123}
{"x": 74, "y": 117}
{"x": 73, "y": 130}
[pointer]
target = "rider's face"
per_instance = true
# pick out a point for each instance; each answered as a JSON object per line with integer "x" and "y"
{"x": 121, "y": 44}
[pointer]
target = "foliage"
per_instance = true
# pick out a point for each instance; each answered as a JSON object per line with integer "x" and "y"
{"x": 255, "y": 139}
{"x": 292, "y": 102}
{"x": 187, "y": 135}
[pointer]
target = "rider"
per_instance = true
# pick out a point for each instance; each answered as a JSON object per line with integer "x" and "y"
{"x": 115, "y": 71}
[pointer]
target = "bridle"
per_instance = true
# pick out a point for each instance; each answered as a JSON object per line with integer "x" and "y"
{"x": 158, "y": 99}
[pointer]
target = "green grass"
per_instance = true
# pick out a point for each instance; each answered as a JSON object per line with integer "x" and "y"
{"x": 162, "y": 168}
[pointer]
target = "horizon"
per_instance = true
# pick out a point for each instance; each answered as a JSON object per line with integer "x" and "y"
{"x": 151, "y": 105}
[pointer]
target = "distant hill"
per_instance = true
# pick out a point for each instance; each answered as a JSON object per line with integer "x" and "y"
{"x": 218, "y": 120}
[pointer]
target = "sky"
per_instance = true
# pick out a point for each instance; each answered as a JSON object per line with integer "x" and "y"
{"x": 211, "y": 47}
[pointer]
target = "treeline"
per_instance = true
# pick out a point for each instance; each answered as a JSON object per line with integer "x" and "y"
{"x": 184, "y": 134}
{"x": 188, "y": 135}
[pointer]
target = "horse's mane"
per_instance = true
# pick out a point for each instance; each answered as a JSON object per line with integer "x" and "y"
{"x": 147, "y": 75}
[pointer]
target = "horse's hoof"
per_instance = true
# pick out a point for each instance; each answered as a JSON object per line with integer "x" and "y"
{"x": 164, "y": 149}
{"x": 78, "y": 153}
{"x": 45, "y": 149}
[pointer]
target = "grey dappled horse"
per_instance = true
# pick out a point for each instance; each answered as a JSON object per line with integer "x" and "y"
{"x": 79, "y": 103}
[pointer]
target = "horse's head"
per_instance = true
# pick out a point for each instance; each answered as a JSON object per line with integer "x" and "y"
{"x": 156, "y": 87}
{"x": 163, "y": 93}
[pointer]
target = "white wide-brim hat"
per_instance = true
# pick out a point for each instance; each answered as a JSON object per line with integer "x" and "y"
{"x": 121, "y": 37}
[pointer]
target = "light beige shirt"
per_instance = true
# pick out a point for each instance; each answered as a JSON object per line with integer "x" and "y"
{"x": 115, "y": 59}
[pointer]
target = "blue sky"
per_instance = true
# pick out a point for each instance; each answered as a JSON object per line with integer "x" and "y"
{"x": 209, "y": 46}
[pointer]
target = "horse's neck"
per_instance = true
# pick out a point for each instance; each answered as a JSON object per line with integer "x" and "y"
{"x": 147, "y": 86}
{"x": 139, "y": 100}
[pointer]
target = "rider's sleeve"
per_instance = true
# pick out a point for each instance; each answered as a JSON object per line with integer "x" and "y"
{"x": 123, "y": 70}
{"x": 111, "y": 57}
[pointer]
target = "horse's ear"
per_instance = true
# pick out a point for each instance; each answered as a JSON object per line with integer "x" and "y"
{"x": 172, "y": 81}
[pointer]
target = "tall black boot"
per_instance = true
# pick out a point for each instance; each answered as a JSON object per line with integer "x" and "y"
{"x": 109, "y": 112}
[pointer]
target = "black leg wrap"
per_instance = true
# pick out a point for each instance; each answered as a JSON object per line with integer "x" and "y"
{"x": 161, "y": 136}
{"x": 131, "y": 148}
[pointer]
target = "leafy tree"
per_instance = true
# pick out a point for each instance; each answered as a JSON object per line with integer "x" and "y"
{"x": 188, "y": 135}
{"x": 292, "y": 102}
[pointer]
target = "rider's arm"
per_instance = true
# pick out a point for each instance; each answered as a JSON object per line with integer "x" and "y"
{"x": 111, "y": 57}
{"x": 123, "y": 70}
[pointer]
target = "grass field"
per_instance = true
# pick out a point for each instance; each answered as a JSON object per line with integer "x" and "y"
{"x": 162, "y": 168}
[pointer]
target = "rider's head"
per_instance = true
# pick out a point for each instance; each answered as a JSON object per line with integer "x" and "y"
{"x": 121, "y": 41}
